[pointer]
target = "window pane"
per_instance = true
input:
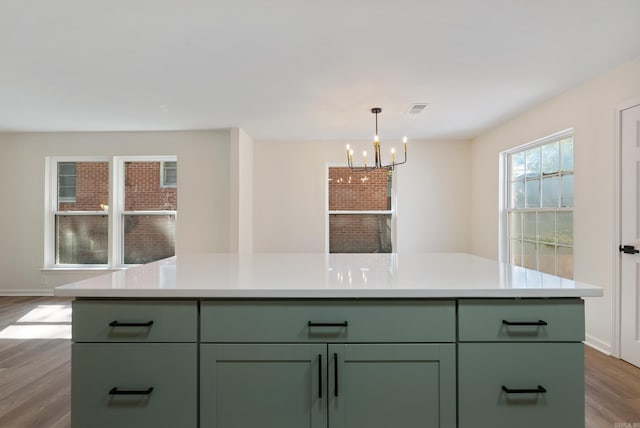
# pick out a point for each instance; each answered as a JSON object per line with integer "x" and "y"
{"x": 66, "y": 181}
{"x": 529, "y": 226}
{"x": 358, "y": 191}
{"x": 547, "y": 227}
{"x": 142, "y": 189}
{"x": 551, "y": 192}
{"x": 82, "y": 239}
{"x": 87, "y": 190}
{"x": 565, "y": 228}
{"x": 515, "y": 223}
{"x": 533, "y": 162}
{"x": 567, "y": 191}
{"x": 517, "y": 194}
{"x": 516, "y": 252}
{"x": 529, "y": 256}
{"x": 547, "y": 258}
{"x": 533, "y": 194}
{"x": 566, "y": 154}
{"x": 517, "y": 166}
{"x": 565, "y": 262}
{"x": 550, "y": 158}
{"x": 170, "y": 173}
{"x": 360, "y": 233}
{"x": 148, "y": 238}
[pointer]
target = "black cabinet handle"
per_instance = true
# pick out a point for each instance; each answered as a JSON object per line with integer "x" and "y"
{"x": 335, "y": 374}
{"x": 116, "y": 391}
{"x": 538, "y": 390}
{"x": 539, "y": 322}
{"x": 328, "y": 324}
{"x": 319, "y": 375}
{"x": 130, "y": 324}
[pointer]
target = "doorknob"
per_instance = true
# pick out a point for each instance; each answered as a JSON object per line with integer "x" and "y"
{"x": 628, "y": 249}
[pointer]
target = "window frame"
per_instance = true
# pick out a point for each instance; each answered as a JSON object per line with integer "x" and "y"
{"x": 505, "y": 197}
{"x": 115, "y": 211}
{"x": 391, "y": 211}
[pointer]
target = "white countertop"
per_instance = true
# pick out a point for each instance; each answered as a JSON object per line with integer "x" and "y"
{"x": 429, "y": 275}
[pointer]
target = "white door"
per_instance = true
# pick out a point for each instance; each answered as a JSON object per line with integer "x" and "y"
{"x": 630, "y": 235}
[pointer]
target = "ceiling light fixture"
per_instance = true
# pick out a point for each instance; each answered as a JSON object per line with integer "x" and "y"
{"x": 376, "y": 152}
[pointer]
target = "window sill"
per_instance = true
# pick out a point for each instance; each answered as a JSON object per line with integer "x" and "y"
{"x": 83, "y": 269}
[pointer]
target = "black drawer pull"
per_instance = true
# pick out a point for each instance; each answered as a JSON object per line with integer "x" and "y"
{"x": 116, "y": 391}
{"x": 335, "y": 374}
{"x": 319, "y": 375}
{"x": 538, "y": 390}
{"x": 539, "y": 322}
{"x": 328, "y": 324}
{"x": 130, "y": 324}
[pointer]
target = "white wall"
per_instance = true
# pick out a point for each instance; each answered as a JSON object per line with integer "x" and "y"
{"x": 203, "y": 211}
{"x": 589, "y": 110}
{"x": 290, "y": 188}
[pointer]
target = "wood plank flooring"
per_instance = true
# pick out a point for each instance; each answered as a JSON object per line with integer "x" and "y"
{"x": 35, "y": 378}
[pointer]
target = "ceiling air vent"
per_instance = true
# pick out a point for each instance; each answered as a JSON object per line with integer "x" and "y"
{"x": 417, "y": 108}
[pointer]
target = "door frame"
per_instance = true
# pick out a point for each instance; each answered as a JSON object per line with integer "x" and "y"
{"x": 616, "y": 289}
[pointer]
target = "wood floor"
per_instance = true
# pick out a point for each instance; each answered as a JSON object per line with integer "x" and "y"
{"x": 35, "y": 376}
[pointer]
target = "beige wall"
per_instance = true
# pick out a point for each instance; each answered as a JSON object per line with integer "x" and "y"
{"x": 241, "y": 193}
{"x": 203, "y": 174}
{"x": 433, "y": 200}
{"x": 589, "y": 110}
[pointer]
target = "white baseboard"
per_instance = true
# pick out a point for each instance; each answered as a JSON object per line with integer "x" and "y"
{"x": 598, "y": 344}
{"x": 26, "y": 292}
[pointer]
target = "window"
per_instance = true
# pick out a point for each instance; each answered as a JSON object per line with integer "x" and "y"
{"x": 169, "y": 176}
{"x": 107, "y": 212}
{"x": 360, "y": 211}
{"x": 539, "y": 205}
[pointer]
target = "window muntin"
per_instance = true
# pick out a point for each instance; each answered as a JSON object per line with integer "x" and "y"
{"x": 539, "y": 205}
{"x": 360, "y": 211}
{"x": 120, "y": 213}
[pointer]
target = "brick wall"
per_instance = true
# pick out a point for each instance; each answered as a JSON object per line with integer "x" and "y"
{"x": 359, "y": 191}
{"x": 142, "y": 188}
{"x": 92, "y": 187}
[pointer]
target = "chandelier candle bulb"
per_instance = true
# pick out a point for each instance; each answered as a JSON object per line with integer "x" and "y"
{"x": 393, "y": 155}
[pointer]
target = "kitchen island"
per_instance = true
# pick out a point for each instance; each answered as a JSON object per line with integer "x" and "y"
{"x": 328, "y": 340}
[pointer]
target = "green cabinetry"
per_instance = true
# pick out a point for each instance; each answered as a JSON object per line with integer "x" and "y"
{"x": 328, "y": 363}
{"x": 134, "y": 364}
{"x": 521, "y": 363}
{"x": 327, "y": 375}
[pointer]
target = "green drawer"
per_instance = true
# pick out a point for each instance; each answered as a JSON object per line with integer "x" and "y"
{"x": 525, "y": 320}
{"x": 366, "y": 321}
{"x": 172, "y": 321}
{"x": 484, "y": 368}
{"x": 169, "y": 368}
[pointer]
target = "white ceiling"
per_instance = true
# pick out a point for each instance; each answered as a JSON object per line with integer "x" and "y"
{"x": 296, "y": 69}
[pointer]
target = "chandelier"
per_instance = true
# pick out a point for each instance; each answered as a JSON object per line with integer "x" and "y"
{"x": 376, "y": 152}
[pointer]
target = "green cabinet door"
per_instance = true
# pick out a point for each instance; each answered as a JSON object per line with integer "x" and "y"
{"x": 263, "y": 385}
{"x": 398, "y": 385}
{"x": 134, "y": 385}
{"x": 524, "y": 385}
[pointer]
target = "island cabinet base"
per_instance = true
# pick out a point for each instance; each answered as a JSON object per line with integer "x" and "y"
{"x": 324, "y": 363}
